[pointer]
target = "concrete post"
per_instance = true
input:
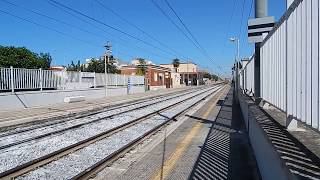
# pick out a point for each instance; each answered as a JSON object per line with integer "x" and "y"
{"x": 11, "y": 79}
{"x": 261, "y": 10}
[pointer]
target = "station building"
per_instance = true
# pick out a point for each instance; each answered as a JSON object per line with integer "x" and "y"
{"x": 188, "y": 74}
{"x": 156, "y": 77}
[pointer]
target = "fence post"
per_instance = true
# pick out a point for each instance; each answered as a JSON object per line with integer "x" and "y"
{"x": 65, "y": 76}
{"x": 94, "y": 80}
{"x": 11, "y": 79}
{"x": 129, "y": 84}
{"x": 124, "y": 80}
{"x": 116, "y": 80}
{"x": 80, "y": 79}
{"x": 40, "y": 78}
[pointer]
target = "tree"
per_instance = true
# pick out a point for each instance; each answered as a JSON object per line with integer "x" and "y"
{"x": 176, "y": 63}
{"x": 142, "y": 66}
{"x": 98, "y": 66}
{"x": 211, "y": 76}
{"x": 21, "y": 57}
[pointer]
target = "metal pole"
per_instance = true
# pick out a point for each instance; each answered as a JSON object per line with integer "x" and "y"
{"x": 106, "y": 55}
{"x": 188, "y": 73}
{"x": 261, "y": 10}
{"x": 105, "y": 73}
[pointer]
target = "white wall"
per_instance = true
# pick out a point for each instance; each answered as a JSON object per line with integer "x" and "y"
{"x": 9, "y": 101}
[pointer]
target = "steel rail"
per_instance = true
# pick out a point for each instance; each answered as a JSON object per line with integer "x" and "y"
{"x": 89, "y": 113}
{"x": 28, "y": 166}
{"x": 97, "y": 167}
{"x": 90, "y": 122}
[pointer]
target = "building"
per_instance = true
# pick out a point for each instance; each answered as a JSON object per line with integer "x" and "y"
{"x": 57, "y": 68}
{"x": 156, "y": 77}
{"x": 188, "y": 73}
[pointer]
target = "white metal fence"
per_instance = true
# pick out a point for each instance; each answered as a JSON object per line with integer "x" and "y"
{"x": 12, "y": 79}
{"x": 289, "y": 64}
{"x": 247, "y": 77}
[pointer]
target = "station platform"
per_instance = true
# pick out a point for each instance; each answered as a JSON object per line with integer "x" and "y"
{"x": 56, "y": 111}
{"x": 209, "y": 144}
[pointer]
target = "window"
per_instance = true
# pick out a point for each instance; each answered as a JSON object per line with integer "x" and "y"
{"x": 155, "y": 76}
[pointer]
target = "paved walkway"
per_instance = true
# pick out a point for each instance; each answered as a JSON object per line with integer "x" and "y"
{"x": 226, "y": 153}
{"x": 9, "y": 118}
{"x": 210, "y": 144}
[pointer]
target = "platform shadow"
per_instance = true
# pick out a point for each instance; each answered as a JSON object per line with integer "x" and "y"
{"x": 299, "y": 160}
{"x": 226, "y": 153}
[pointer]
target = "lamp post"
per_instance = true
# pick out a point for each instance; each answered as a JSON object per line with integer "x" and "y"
{"x": 106, "y": 58}
{"x": 237, "y": 59}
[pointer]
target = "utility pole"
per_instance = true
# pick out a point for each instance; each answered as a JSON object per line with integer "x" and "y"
{"x": 236, "y": 66}
{"x": 188, "y": 72}
{"x": 261, "y": 10}
{"x": 106, "y": 62}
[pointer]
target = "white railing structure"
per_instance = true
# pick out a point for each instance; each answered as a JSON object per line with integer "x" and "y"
{"x": 12, "y": 79}
{"x": 247, "y": 77}
{"x": 289, "y": 63}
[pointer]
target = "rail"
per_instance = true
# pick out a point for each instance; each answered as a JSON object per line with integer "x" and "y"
{"x": 24, "y": 168}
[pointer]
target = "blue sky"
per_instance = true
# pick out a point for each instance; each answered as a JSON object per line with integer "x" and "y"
{"x": 208, "y": 20}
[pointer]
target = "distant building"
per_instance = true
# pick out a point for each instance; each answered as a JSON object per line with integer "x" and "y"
{"x": 189, "y": 74}
{"x": 57, "y": 68}
{"x": 157, "y": 77}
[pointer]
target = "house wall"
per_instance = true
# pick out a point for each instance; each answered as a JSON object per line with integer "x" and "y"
{"x": 184, "y": 67}
{"x": 187, "y": 68}
{"x": 154, "y": 77}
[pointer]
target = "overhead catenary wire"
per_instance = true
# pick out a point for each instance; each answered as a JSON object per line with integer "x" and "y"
{"x": 124, "y": 43}
{"x": 138, "y": 28}
{"x": 47, "y": 27}
{"x": 105, "y": 24}
{"x": 194, "y": 41}
{"x": 76, "y": 27}
{"x": 242, "y": 15}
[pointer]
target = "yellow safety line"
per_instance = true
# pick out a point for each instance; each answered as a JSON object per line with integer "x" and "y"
{"x": 170, "y": 163}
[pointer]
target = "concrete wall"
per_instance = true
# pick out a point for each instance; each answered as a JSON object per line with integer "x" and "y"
{"x": 269, "y": 162}
{"x": 9, "y": 101}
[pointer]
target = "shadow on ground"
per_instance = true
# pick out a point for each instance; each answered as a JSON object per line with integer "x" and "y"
{"x": 226, "y": 153}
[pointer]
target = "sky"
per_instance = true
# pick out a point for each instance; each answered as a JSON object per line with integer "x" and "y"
{"x": 42, "y": 26}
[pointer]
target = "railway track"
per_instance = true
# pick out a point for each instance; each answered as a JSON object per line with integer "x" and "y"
{"x": 24, "y": 135}
{"x": 35, "y": 125}
{"x": 76, "y": 155}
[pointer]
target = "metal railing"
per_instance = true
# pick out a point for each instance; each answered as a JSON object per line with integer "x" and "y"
{"x": 13, "y": 79}
{"x": 289, "y": 66}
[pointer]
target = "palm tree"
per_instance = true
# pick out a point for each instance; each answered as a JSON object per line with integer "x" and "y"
{"x": 141, "y": 67}
{"x": 176, "y": 63}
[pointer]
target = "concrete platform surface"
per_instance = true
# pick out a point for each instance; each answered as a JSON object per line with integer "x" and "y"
{"x": 210, "y": 144}
{"x": 19, "y": 116}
